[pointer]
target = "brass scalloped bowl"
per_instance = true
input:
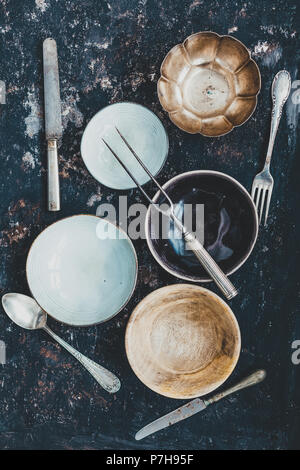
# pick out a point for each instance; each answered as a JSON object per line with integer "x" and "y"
{"x": 209, "y": 84}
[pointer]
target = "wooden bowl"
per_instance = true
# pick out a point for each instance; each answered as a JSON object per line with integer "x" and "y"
{"x": 182, "y": 341}
{"x": 209, "y": 84}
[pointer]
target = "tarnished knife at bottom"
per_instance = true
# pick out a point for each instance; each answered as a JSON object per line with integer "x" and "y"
{"x": 197, "y": 405}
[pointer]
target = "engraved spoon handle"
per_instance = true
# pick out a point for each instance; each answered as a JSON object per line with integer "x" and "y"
{"x": 252, "y": 379}
{"x": 281, "y": 88}
{"x": 104, "y": 377}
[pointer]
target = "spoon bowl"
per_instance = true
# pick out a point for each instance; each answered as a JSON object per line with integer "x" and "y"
{"x": 24, "y": 311}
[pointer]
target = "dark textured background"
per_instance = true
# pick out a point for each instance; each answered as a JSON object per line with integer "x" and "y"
{"x": 111, "y": 51}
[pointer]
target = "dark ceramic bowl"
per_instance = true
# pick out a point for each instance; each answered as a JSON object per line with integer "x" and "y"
{"x": 230, "y": 224}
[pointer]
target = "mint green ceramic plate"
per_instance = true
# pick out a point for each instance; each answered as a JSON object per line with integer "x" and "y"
{"x": 143, "y": 130}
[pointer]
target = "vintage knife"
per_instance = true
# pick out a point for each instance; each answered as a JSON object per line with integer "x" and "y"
{"x": 53, "y": 125}
{"x": 197, "y": 405}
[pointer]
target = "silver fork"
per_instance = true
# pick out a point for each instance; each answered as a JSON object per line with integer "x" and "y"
{"x": 211, "y": 267}
{"x": 263, "y": 182}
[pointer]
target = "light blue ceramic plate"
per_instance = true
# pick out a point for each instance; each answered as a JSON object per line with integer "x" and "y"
{"x": 82, "y": 270}
{"x": 144, "y": 132}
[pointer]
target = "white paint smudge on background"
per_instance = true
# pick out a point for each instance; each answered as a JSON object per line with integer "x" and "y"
{"x": 99, "y": 45}
{"x": 98, "y": 69}
{"x": 194, "y": 4}
{"x": 269, "y": 53}
{"x": 33, "y": 121}
{"x": 92, "y": 64}
{"x": 5, "y": 29}
{"x": 94, "y": 198}
{"x": 261, "y": 48}
{"x": 70, "y": 111}
{"x": 105, "y": 83}
{"x": 273, "y": 29}
{"x": 41, "y": 5}
{"x": 28, "y": 161}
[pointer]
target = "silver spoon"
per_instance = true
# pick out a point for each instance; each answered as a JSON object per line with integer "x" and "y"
{"x": 25, "y": 312}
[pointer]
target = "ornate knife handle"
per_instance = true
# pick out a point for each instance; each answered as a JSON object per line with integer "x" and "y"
{"x": 281, "y": 88}
{"x": 210, "y": 266}
{"x": 253, "y": 379}
{"x": 53, "y": 178}
{"x": 104, "y": 377}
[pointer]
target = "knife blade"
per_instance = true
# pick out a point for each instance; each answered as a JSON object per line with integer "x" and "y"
{"x": 179, "y": 414}
{"x": 197, "y": 405}
{"x": 53, "y": 123}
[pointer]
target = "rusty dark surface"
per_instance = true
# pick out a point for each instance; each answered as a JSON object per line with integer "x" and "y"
{"x": 111, "y": 51}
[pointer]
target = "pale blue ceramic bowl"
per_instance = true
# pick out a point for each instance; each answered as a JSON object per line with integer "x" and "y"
{"x": 82, "y": 270}
{"x": 144, "y": 132}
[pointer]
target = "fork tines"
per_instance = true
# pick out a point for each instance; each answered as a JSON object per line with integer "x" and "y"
{"x": 261, "y": 191}
{"x": 141, "y": 163}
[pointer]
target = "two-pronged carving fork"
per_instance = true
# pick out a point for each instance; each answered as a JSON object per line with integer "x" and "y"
{"x": 202, "y": 255}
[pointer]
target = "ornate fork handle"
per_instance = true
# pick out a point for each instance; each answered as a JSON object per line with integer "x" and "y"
{"x": 280, "y": 91}
{"x": 210, "y": 266}
{"x": 104, "y": 377}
